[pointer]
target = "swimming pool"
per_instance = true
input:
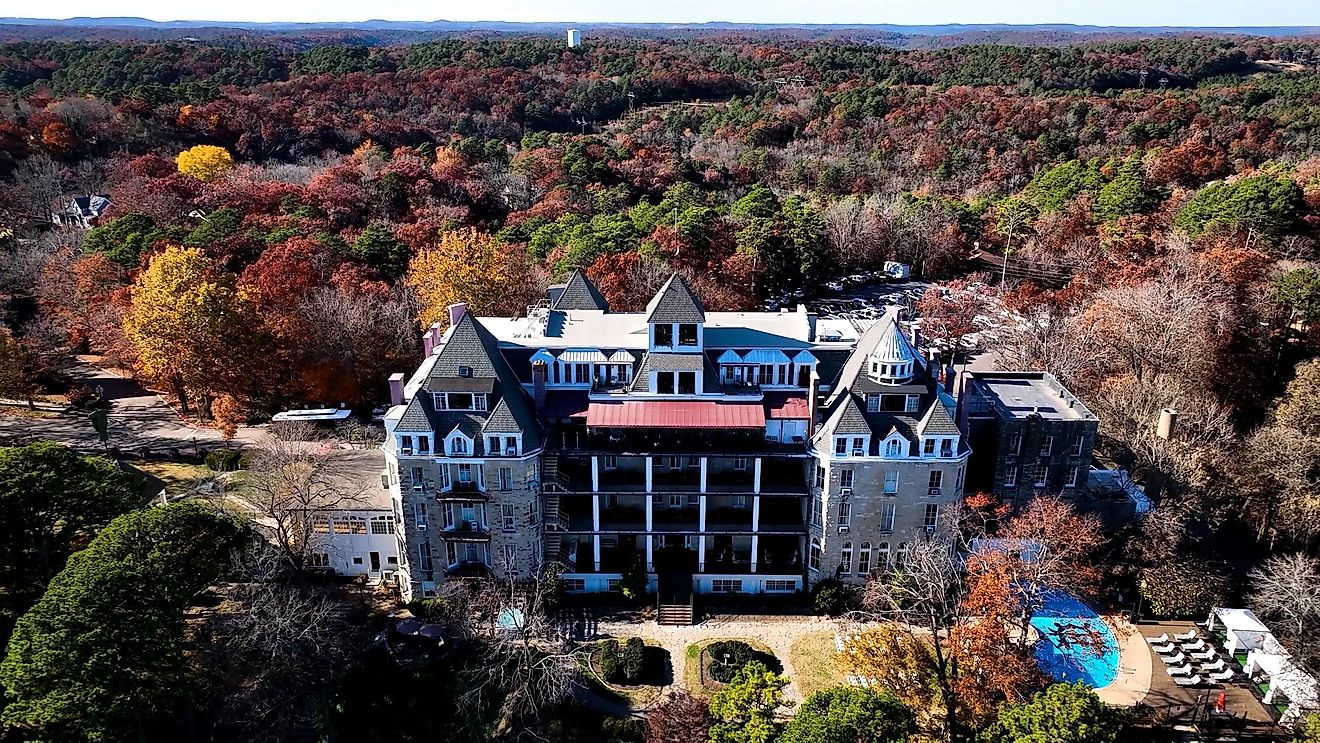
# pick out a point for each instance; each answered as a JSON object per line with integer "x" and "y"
{"x": 1075, "y": 643}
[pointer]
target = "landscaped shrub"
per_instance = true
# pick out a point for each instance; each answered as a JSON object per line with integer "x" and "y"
{"x": 830, "y": 597}
{"x": 624, "y": 730}
{"x": 1185, "y": 588}
{"x": 224, "y": 460}
{"x": 634, "y": 659}
{"x": 429, "y": 610}
{"x": 611, "y": 660}
{"x": 727, "y": 657}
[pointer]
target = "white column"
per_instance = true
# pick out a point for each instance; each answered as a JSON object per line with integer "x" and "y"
{"x": 595, "y": 474}
{"x": 703, "y": 473}
{"x": 650, "y": 551}
{"x": 595, "y": 549}
{"x": 648, "y": 474}
{"x": 755, "y": 544}
{"x": 595, "y": 512}
{"x": 701, "y": 511}
{"x": 701, "y": 553}
{"x": 756, "y": 475}
{"x": 756, "y": 514}
{"x": 650, "y": 506}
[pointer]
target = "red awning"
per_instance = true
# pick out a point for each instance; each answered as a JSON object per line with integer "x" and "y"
{"x": 675, "y": 414}
{"x": 781, "y": 405}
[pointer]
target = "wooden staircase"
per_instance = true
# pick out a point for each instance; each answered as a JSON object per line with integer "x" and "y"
{"x": 674, "y": 605}
{"x": 677, "y": 615}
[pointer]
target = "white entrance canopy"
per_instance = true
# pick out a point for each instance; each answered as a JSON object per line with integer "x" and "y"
{"x": 1286, "y": 679}
{"x": 1243, "y": 628}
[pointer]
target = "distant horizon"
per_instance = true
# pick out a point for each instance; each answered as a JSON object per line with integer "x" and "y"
{"x": 1172, "y": 14}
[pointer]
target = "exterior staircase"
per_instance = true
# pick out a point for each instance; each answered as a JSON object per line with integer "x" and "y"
{"x": 674, "y": 614}
{"x": 673, "y": 599}
{"x": 554, "y": 520}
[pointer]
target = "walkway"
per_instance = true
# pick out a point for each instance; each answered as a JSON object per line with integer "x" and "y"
{"x": 779, "y": 636}
{"x": 1132, "y": 684}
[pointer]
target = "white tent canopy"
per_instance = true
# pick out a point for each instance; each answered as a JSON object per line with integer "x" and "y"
{"x": 1243, "y": 628}
{"x": 1265, "y": 655}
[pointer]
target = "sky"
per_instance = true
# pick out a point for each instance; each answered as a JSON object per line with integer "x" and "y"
{"x": 904, "y": 12}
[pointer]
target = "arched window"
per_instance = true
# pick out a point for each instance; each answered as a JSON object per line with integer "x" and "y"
{"x": 845, "y": 559}
{"x": 882, "y": 556}
{"x": 891, "y": 448}
{"x": 815, "y": 553}
{"x": 458, "y": 445}
{"x": 900, "y": 557}
{"x": 864, "y": 559}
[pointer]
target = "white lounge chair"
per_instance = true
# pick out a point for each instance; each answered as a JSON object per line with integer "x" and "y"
{"x": 1193, "y": 681}
{"x": 1183, "y": 670}
{"x": 1188, "y": 635}
{"x": 1175, "y": 660}
{"x": 1169, "y": 649}
{"x": 1195, "y": 647}
{"x": 1208, "y": 655}
{"x": 1216, "y": 667}
{"x": 1163, "y": 639}
{"x": 1225, "y": 675}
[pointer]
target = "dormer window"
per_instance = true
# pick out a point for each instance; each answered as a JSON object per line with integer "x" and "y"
{"x": 423, "y": 444}
{"x": 664, "y": 335}
{"x": 892, "y": 448}
{"x": 458, "y": 446}
{"x": 687, "y": 334}
{"x": 465, "y": 372}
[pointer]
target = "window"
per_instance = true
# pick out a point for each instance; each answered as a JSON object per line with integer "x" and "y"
{"x": 891, "y": 482}
{"x": 1015, "y": 443}
{"x": 319, "y": 560}
{"x": 892, "y": 448}
{"x": 675, "y": 463}
{"x": 320, "y": 524}
{"x": 946, "y": 448}
{"x": 864, "y": 559}
{"x": 357, "y": 525}
{"x": 418, "y": 477}
{"x": 493, "y": 446}
{"x": 1042, "y": 472}
{"x": 460, "y": 401}
{"x": 694, "y": 461}
{"x": 424, "y": 556}
{"x": 893, "y": 403}
{"x": 444, "y": 477}
{"x": 740, "y": 463}
{"x": 779, "y": 586}
{"x": 357, "y": 560}
{"x": 533, "y": 515}
{"x": 845, "y": 559}
{"x": 816, "y": 512}
{"x": 423, "y": 444}
{"x": 664, "y": 335}
{"x": 465, "y": 473}
{"x": 913, "y": 402}
{"x": 392, "y": 560}
{"x": 859, "y": 446}
{"x": 664, "y": 383}
{"x": 478, "y": 402}
{"x": 820, "y": 476}
{"x": 1075, "y": 446}
{"x": 726, "y": 585}
{"x": 845, "y": 513}
{"x": 506, "y": 478}
{"x": 928, "y": 447}
{"x": 739, "y": 501}
{"x": 887, "y": 513}
{"x": 900, "y": 557}
{"x": 613, "y": 584}
{"x": 687, "y": 383}
{"x": 872, "y": 403}
{"x": 573, "y": 584}
{"x": 687, "y": 334}
{"x": 582, "y": 373}
{"x": 451, "y": 554}
{"x": 458, "y": 445}
{"x": 510, "y": 446}
{"x": 932, "y": 515}
{"x": 936, "y": 480}
{"x": 508, "y": 557}
{"x": 815, "y": 554}
{"x": 882, "y": 555}
{"x": 419, "y": 515}
{"x": 846, "y": 478}
{"x": 1010, "y": 476}
{"x": 405, "y": 444}
{"x": 840, "y": 446}
{"x": 1073, "y": 472}
{"x": 693, "y": 499}
{"x": 382, "y": 524}
{"x": 610, "y": 462}
{"x": 675, "y": 500}
{"x": 957, "y": 485}
{"x": 506, "y": 516}
{"x": 1046, "y": 446}
{"x": 465, "y": 372}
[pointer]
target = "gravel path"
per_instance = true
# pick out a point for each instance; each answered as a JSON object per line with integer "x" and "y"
{"x": 779, "y": 636}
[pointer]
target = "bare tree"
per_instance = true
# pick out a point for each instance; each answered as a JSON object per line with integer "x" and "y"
{"x": 40, "y": 184}
{"x": 296, "y": 475}
{"x": 1287, "y": 588}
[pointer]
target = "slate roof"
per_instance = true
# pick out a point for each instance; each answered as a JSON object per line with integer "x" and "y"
{"x": 850, "y": 419}
{"x": 579, "y": 294}
{"x": 937, "y": 421}
{"x": 675, "y": 303}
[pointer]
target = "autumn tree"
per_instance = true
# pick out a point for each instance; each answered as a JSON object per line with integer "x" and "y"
{"x": 204, "y": 162}
{"x": 680, "y": 718}
{"x": 471, "y": 266}
{"x": 1286, "y": 588}
{"x": 228, "y": 414}
{"x": 193, "y": 331}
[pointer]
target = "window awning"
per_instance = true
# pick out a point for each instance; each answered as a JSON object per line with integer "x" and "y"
{"x": 583, "y": 356}
{"x": 765, "y": 356}
{"x": 804, "y": 358}
{"x": 675, "y": 414}
{"x": 622, "y": 356}
{"x": 730, "y": 356}
{"x": 543, "y": 356}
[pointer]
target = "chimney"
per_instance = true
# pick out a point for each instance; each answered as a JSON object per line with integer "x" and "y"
{"x": 428, "y": 342}
{"x": 1168, "y": 422}
{"x": 539, "y": 371}
{"x": 915, "y": 330}
{"x": 934, "y": 355}
{"x": 456, "y": 312}
{"x": 813, "y": 402}
{"x": 396, "y": 388}
{"x": 949, "y": 375}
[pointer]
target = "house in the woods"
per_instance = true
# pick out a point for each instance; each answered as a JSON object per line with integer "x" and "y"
{"x": 718, "y": 452}
{"x": 81, "y": 212}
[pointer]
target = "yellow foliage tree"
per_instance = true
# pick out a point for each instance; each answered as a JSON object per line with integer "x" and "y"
{"x": 895, "y": 660}
{"x": 204, "y": 162}
{"x": 467, "y": 265}
{"x": 192, "y": 330}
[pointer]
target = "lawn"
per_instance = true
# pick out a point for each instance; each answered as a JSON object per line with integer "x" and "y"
{"x": 692, "y": 666}
{"x": 175, "y": 477}
{"x": 812, "y": 657}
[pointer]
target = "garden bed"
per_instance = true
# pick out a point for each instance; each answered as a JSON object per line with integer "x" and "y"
{"x": 697, "y": 671}
{"x": 657, "y": 673}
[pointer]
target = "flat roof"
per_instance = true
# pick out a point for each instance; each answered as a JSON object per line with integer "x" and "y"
{"x": 1020, "y": 394}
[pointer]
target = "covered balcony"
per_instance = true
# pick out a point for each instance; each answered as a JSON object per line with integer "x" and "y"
{"x": 623, "y": 513}
{"x": 780, "y": 555}
{"x": 656, "y": 440}
{"x": 675, "y": 473}
{"x": 620, "y": 474}
{"x": 784, "y": 475}
{"x": 730, "y": 474}
{"x": 728, "y": 513}
{"x": 669, "y": 516}
{"x": 782, "y": 514}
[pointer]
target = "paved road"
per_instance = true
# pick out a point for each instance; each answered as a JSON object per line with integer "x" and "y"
{"x": 138, "y": 418}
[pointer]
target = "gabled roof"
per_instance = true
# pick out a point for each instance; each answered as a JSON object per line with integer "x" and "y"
{"x": 579, "y": 294}
{"x": 850, "y": 420}
{"x": 675, "y": 303}
{"x": 938, "y": 421}
{"x": 471, "y": 357}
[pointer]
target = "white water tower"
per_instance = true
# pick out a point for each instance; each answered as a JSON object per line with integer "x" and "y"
{"x": 574, "y": 38}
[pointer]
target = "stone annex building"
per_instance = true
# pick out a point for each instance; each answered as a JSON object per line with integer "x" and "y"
{"x": 726, "y": 452}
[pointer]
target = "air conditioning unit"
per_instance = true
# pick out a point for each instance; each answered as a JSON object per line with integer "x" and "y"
{"x": 934, "y": 491}
{"x": 421, "y": 526}
{"x": 419, "y": 488}
{"x": 511, "y": 451}
{"x": 406, "y": 450}
{"x": 930, "y": 528}
{"x": 857, "y": 452}
{"x": 845, "y": 492}
{"x": 843, "y": 530}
